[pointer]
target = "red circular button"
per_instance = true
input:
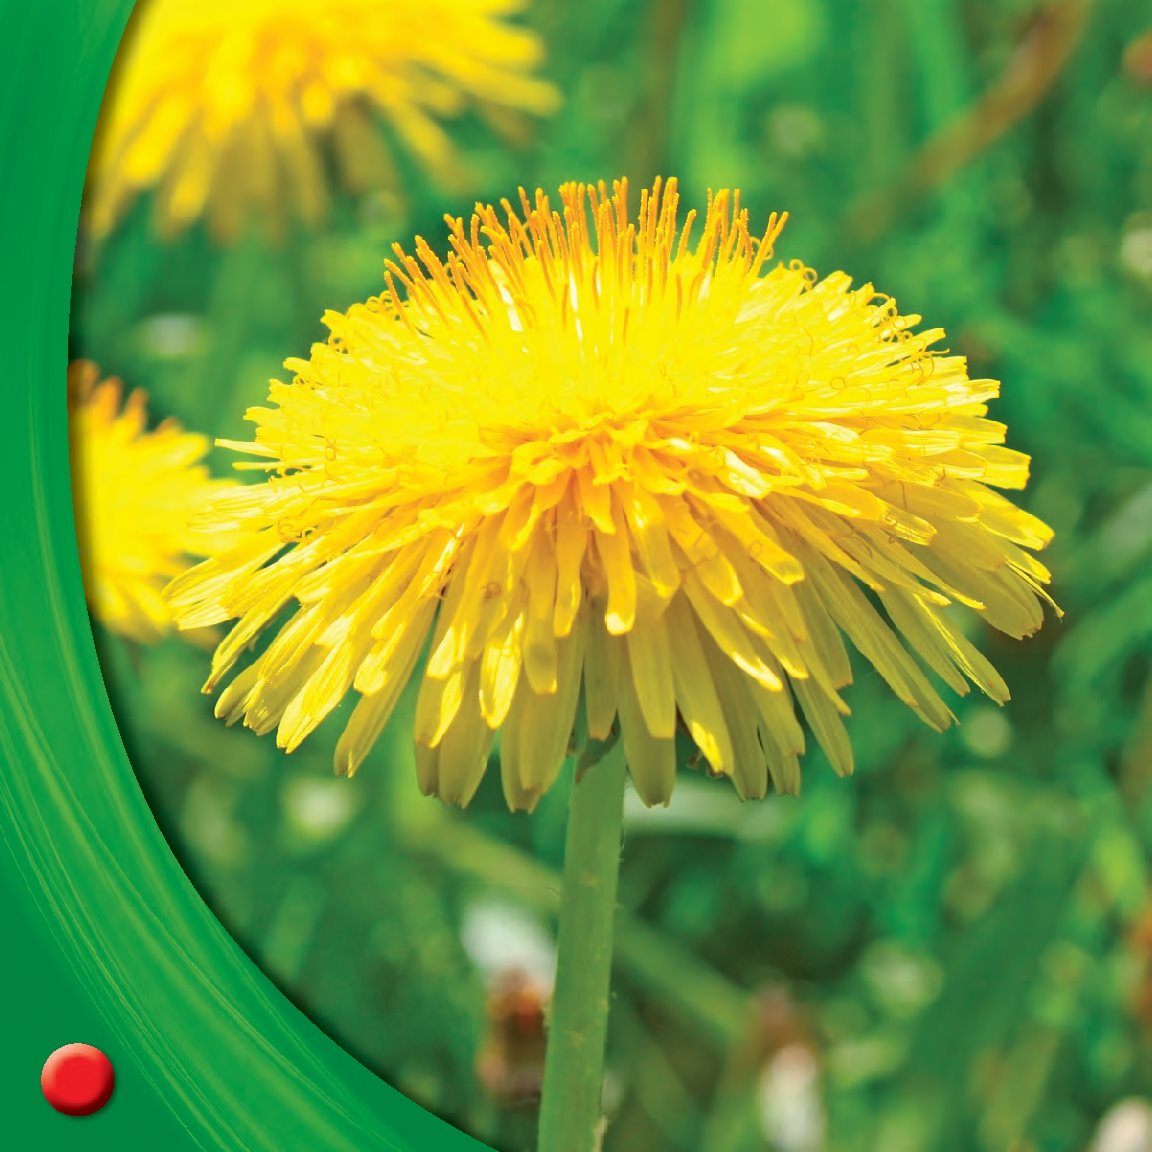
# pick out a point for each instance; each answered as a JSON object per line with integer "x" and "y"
{"x": 77, "y": 1079}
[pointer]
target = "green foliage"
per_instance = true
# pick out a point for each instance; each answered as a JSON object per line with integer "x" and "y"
{"x": 950, "y": 933}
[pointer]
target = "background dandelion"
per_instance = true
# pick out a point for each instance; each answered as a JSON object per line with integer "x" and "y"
{"x": 136, "y": 489}
{"x": 230, "y": 111}
{"x": 987, "y": 164}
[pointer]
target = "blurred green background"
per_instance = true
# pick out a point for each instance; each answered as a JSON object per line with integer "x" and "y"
{"x": 950, "y": 952}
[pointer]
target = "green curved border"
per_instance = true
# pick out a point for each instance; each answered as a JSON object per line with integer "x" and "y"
{"x": 106, "y": 940}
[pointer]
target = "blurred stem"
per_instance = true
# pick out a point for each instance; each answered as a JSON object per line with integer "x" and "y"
{"x": 660, "y": 1090}
{"x": 936, "y": 35}
{"x": 1032, "y": 69}
{"x": 881, "y": 142}
{"x": 1135, "y": 776}
{"x": 570, "y": 1112}
{"x": 297, "y": 254}
{"x": 652, "y": 124}
{"x": 1021, "y": 1087}
{"x": 239, "y": 271}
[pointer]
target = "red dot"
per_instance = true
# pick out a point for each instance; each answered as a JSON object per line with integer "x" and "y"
{"x": 77, "y": 1079}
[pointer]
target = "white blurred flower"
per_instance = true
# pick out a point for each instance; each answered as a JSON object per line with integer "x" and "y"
{"x": 1126, "y": 1127}
{"x": 501, "y": 938}
{"x": 317, "y": 810}
{"x": 791, "y": 1108}
{"x": 1136, "y": 250}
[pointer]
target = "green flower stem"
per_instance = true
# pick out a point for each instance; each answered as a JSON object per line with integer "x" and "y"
{"x": 701, "y": 997}
{"x": 570, "y": 1112}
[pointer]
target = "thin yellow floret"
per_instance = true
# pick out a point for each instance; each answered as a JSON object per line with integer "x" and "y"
{"x": 615, "y": 464}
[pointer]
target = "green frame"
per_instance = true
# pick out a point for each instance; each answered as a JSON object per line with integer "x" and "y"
{"x": 107, "y": 941}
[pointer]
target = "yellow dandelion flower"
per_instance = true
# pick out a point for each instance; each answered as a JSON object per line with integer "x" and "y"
{"x": 223, "y": 107}
{"x": 592, "y": 463}
{"x": 134, "y": 492}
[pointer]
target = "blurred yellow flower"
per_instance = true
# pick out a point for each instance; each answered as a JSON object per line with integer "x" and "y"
{"x": 222, "y": 107}
{"x": 602, "y": 469}
{"x": 134, "y": 492}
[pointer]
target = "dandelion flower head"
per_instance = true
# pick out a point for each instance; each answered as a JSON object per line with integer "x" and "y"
{"x": 613, "y": 473}
{"x": 134, "y": 492}
{"x": 222, "y": 108}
